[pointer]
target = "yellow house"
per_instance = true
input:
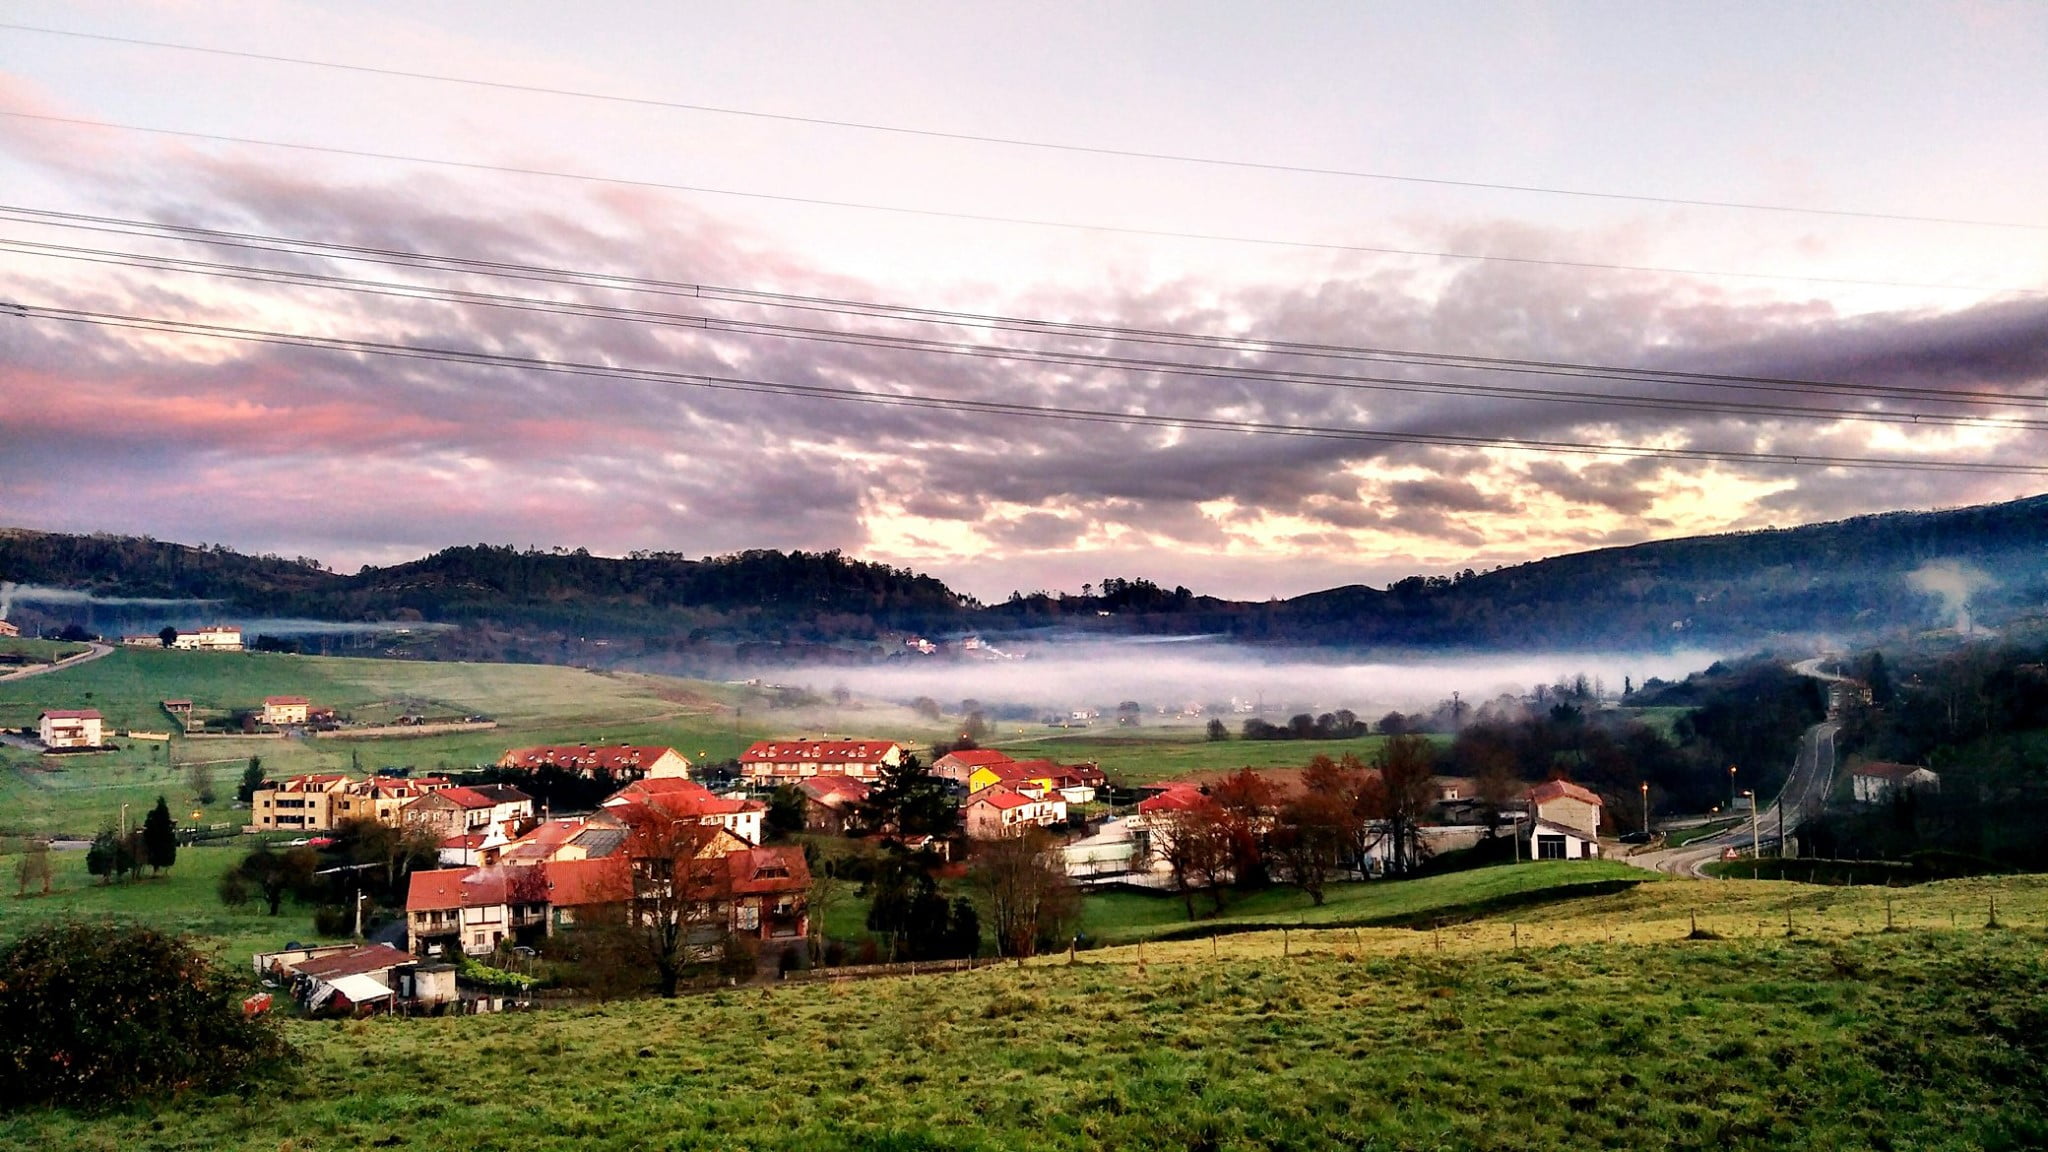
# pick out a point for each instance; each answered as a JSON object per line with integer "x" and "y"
{"x": 280, "y": 711}
{"x": 1043, "y": 777}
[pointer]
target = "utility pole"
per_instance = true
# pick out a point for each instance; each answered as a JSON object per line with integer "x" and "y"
{"x": 1755, "y": 850}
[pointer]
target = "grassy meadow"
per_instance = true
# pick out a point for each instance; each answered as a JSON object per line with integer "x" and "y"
{"x": 1146, "y": 756}
{"x": 1923, "y": 1039}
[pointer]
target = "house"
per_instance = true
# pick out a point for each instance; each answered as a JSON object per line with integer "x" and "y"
{"x": 383, "y": 798}
{"x": 1035, "y": 778}
{"x": 770, "y": 890}
{"x": 574, "y": 887}
{"x": 283, "y": 711}
{"x": 71, "y": 728}
{"x": 7, "y": 629}
{"x": 958, "y": 765}
{"x": 687, "y": 798}
{"x": 352, "y": 980}
{"x": 622, "y": 761}
{"x": 1876, "y": 781}
{"x": 996, "y": 812}
{"x": 453, "y": 811}
{"x": 178, "y": 709}
{"x": 1566, "y": 823}
{"x": 831, "y": 802}
{"x": 770, "y": 763}
{"x": 475, "y": 909}
{"x": 311, "y": 803}
{"x": 218, "y": 638}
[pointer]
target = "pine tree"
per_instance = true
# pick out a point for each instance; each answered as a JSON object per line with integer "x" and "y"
{"x": 252, "y": 780}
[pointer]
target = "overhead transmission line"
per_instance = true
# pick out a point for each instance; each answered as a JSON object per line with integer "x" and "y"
{"x": 1021, "y": 221}
{"x": 1015, "y": 141}
{"x": 1012, "y": 353}
{"x": 994, "y": 407}
{"x": 1170, "y": 338}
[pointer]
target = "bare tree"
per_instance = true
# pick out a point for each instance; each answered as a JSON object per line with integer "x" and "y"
{"x": 680, "y": 911}
{"x": 1407, "y": 770}
{"x": 33, "y": 869}
{"x": 1029, "y": 896}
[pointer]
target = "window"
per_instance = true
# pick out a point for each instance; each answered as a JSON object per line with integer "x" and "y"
{"x": 1549, "y": 847}
{"x": 747, "y": 916}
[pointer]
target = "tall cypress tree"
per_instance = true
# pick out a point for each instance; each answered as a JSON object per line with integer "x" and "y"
{"x": 159, "y": 837}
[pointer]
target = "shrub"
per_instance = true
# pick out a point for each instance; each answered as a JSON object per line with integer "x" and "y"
{"x": 94, "y": 1014}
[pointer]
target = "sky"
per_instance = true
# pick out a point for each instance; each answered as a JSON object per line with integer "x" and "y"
{"x": 1758, "y": 191}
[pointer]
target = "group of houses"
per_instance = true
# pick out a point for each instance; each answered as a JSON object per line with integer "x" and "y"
{"x": 213, "y": 638}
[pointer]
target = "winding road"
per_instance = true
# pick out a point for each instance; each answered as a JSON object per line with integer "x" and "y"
{"x": 1803, "y": 796}
{"x": 92, "y": 652}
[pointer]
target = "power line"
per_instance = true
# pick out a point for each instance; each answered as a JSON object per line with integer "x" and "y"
{"x": 1234, "y": 373}
{"x": 1019, "y": 221}
{"x": 869, "y": 309}
{"x": 1018, "y": 141}
{"x": 992, "y": 407}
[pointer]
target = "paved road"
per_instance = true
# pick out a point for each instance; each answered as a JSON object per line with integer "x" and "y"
{"x": 1804, "y": 795}
{"x": 92, "y": 653}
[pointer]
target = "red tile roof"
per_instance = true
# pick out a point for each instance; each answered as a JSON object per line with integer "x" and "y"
{"x": 818, "y": 752}
{"x": 575, "y": 883}
{"x": 282, "y": 700}
{"x": 466, "y": 798}
{"x": 1000, "y": 798}
{"x": 1562, "y": 789}
{"x": 73, "y": 714}
{"x": 680, "y": 797}
{"x": 445, "y": 888}
{"x": 762, "y": 871}
{"x": 1174, "y": 798}
{"x": 977, "y": 757}
{"x": 831, "y": 789}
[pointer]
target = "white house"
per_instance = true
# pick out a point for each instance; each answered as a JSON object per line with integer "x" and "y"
{"x": 70, "y": 728}
{"x": 280, "y": 711}
{"x": 1875, "y": 782}
{"x": 218, "y": 638}
{"x": 1566, "y": 824}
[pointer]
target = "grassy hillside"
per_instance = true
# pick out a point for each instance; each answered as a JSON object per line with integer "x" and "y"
{"x": 1929, "y": 1040}
{"x": 1146, "y": 756}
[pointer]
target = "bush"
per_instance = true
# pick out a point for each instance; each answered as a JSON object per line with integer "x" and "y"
{"x": 93, "y": 1014}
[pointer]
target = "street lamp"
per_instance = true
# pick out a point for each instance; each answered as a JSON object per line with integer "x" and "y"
{"x": 1731, "y": 785}
{"x": 1755, "y": 850}
{"x": 1646, "y": 807}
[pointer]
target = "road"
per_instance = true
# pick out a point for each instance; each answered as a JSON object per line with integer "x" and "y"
{"x": 1804, "y": 795}
{"x": 93, "y": 652}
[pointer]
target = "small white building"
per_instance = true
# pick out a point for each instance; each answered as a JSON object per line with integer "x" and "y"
{"x": 1566, "y": 824}
{"x": 218, "y": 638}
{"x": 281, "y": 711}
{"x": 1876, "y": 782}
{"x": 70, "y": 728}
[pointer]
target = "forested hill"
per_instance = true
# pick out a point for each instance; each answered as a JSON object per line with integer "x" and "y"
{"x": 1846, "y": 577}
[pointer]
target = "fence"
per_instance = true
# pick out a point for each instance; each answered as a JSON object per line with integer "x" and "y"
{"x": 872, "y": 971}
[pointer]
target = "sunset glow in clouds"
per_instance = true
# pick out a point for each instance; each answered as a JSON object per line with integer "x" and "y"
{"x": 354, "y": 457}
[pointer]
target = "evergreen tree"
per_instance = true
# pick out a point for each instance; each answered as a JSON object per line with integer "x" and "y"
{"x": 100, "y": 858}
{"x": 252, "y": 780}
{"x": 159, "y": 837}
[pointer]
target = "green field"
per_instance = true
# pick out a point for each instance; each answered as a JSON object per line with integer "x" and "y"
{"x": 39, "y": 651}
{"x": 532, "y": 704}
{"x": 182, "y": 900}
{"x": 1922, "y": 1040}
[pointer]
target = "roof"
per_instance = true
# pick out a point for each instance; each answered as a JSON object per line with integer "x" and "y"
{"x": 679, "y": 797}
{"x": 572, "y": 883}
{"x": 976, "y": 757}
{"x": 355, "y": 961}
{"x": 360, "y": 989}
{"x": 1000, "y": 797}
{"x": 543, "y": 840}
{"x": 760, "y": 871}
{"x": 501, "y": 793}
{"x": 445, "y": 888}
{"x": 1556, "y": 826}
{"x": 1562, "y": 790}
{"x": 1173, "y": 798}
{"x": 461, "y": 797}
{"x": 72, "y": 714}
{"x": 1885, "y": 770}
{"x": 833, "y": 790}
{"x": 819, "y": 751}
{"x": 597, "y": 842}
{"x": 313, "y": 782}
{"x": 613, "y": 758}
{"x": 284, "y": 700}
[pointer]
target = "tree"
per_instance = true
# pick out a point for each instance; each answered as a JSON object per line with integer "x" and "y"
{"x": 909, "y": 801}
{"x": 233, "y": 889}
{"x": 913, "y": 917}
{"x": 679, "y": 915}
{"x": 1407, "y": 768}
{"x": 95, "y": 1014}
{"x": 927, "y": 708}
{"x": 167, "y": 635}
{"x": 33, "y": 869}
{"x": 1218, "y": 731}
{"x": 202, "y": 785}
{"x": 786, "y": 810}
{"x": 1245, "y": 802}
{"x": 1309, "y": 836}
{"x": 1128, "y": 713}
{"x": 159, "y": 837}
{"x": 101, "y": 856}
{"x": 1191, "y": 840}
{"x": 277, "y": 876}
{"x": 1024, "y": 881}
{"x": 252, "y": 780}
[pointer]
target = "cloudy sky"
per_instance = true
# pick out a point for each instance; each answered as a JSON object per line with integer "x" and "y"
{"x": 1782, "y": 193}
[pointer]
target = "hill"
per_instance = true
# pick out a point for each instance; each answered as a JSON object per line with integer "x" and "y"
{"x": 1850, "y": 577}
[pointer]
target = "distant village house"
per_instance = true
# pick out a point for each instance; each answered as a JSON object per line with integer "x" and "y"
{"x": 622, "y": 761}
{"x": 1876, "y": 781}
{"x": 770, "y": 763}
{"x": 70, "y": 728}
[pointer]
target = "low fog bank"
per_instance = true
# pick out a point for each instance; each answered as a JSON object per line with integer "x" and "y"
{"x": 1100, "y": 674}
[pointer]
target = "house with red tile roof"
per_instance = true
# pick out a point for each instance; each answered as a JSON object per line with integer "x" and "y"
{"x": 996, "y": 812}
{"x": 687, "y": 798}
{"x": 71, "y": 728}
{"x": 770, "y": 763}
{"x": 309, "y": 803}
{"x": 620, "y": 761}
{"x": 1035, "y": 778}
{"x": 1566, "y": 824}
{"x": 280, "y": 711}
{"x": 475, "y": 909}
{"x": 454, "y": 811}
{"x": 960, "y": 764}
{"x": 831, "y": 802}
